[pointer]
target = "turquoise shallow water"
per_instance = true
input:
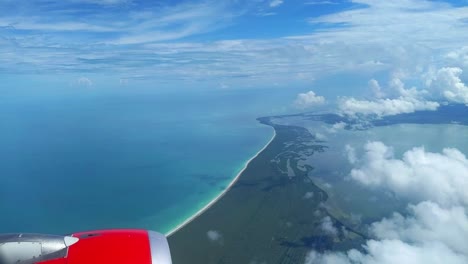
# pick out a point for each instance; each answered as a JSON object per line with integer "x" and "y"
{"x": 91, "y": 160}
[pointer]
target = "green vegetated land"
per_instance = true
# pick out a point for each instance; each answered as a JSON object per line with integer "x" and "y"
{"x": 274, "y": 213}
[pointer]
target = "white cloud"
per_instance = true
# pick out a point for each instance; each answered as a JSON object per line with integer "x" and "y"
{"x": 405, "y": 20}
{"x": 328, "y": 227}
{"x": 31, "y": 24}
{"x": 447, "y": 82}
{"x": 309, "y": 195}
{"x": 433, "y": 230}
{"x": 320, "y": 2}
{"x": 391, "y": 252}
{"x": 336, "y": 127}
{"x": 309, "y": 99}
{"x": 424, "y": 34}
{"x": 266, "y": 14}
{"x": 376, "y": 89}
{"x": 407, "y": 100}
{"x": 418, "y": 175}
{"x": 429, "y": 235}
{"x": 320, "y": 136}
{"x": 214, "y": 235}
{"x": 156, "y": 23}
{"x": 377, "y": 37}
{"x": 397, "y": 86}
{"x": 103, "y": 2}
{"x": 458, "y": 56}
{"x": 427, "y": 222}
{"x": 174, "y": 23}
{"x": 385, "y": 107}
{"x": 276, "y": 3}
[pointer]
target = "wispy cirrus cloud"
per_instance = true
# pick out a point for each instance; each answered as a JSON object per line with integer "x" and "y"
{"x": 175, "y": 23}
{"x": 34, "y": 24}
{"x": 103, "y": 2}
{"x": 275, "y": 3}
{"x": 321, "y": 2}
{"x": 156, "y": 23}
{"x": 194, "y": 41}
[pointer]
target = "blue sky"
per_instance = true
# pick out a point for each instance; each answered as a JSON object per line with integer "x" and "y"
{"x": 226, "y": 44}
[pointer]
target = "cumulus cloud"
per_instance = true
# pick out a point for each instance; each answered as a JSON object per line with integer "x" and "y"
{"x": 430, "y": 234}
{"x": 418, "y": 175}
{"x": 328, "y": 227}
{"x": 406, "y": 100}
{"x": 376, "y": 89}
{"x": 458, "y": 56}
{"x": 433, "y": 230}
{"x": 336, "y": 127}
{"x": 427, "y": 222}
{"x": 385, "y": 107}
{"x": 214, "y": 235}
{"x": 447, "y": 82}
{"x": 397, "y": 86}
{"x": 391, "y": 252}
{"x": 309, "y": 99}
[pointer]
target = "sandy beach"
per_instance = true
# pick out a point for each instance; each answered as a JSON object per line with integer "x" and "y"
{"x": 206, "y": 207}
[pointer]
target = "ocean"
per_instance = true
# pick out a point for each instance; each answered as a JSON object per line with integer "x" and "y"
{"x": 84, "y": 160}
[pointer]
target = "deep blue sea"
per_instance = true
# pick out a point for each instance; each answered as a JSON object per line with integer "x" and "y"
{"x": 89, "y": 160}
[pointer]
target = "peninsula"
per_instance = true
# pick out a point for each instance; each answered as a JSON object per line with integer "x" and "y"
{"x": 272, "y": 213}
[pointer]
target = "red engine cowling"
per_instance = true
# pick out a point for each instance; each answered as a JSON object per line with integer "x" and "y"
{"x": 94, "y": 247}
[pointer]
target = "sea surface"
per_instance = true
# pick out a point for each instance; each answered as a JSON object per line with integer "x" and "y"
{"x": 83, "y": 160}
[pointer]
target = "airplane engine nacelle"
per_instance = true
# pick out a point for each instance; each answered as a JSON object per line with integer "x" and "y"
{"x": 94, "y": 247}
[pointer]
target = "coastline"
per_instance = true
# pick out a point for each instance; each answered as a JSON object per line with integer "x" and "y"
{"x": 242, "y": 217}
{"x": 219, "y": 196}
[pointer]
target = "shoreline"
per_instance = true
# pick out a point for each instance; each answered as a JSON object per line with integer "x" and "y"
{"x": 219, "y": 196}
